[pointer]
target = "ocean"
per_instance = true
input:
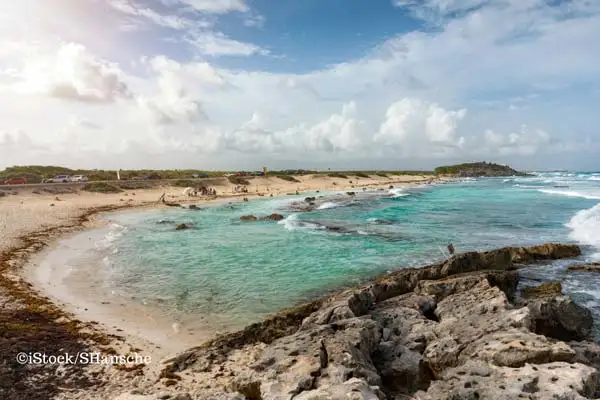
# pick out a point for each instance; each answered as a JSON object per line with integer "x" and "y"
{"x": 234, "y": 272}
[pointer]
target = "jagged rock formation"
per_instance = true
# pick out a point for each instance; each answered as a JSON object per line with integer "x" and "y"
{"x": 454, "y": 330}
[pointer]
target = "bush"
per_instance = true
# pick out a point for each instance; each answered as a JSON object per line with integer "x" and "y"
{"x": 382, "y": 175}
{"x": 337, "y": 175}
{"x": 101, "y": 187}
{"x": 288, "y": 178}
{"x": 238, "y": 180}
{"x": 184, "y": 183}
{"x": 362, "y": 175}
{"x": 133, "y": 185}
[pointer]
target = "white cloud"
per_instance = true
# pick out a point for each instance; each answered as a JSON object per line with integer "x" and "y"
{"x": 255, "y": 21}
{"x": 414, "y": 127}
{"x": 407, "y": 98}
{"x": 218, "y": 44}
{"x": 167, "y": 21}
{"x": 72, "y": 73}
{"x": 214, "y": 6}
{"x": 526, "y": 142}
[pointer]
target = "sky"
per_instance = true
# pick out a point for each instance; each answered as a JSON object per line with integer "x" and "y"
{"x": 340, "y": 84}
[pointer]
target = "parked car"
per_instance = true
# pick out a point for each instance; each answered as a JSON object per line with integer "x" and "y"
{"x": 59, "y": 179}
{"x": 79, "y": 178}
{"x": 15, "y": 181}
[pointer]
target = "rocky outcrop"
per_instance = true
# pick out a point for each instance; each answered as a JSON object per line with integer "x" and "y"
{"x": 273, "y": 217}
{"x": 548, "y": 289}
{"x": 453, "y": 330}
{"x": 549, "y": 251}
{"x": 480, "y": 380}
{"x": 182, "y": 227}
{"x": 555, "y": 315}
{"x": 478, "y": 169}
{"x": 592, "y": 267}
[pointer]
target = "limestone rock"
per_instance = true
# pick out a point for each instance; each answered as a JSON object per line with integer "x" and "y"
{"x": 548, "y": 251}
{"x": 248, "y": 218}
{"x": 477, "y": 380}
{"x": 592, "y": 267}
{"x": 182, "y": 227}
{"x": 353, "y": 389}
{"x": 348, "y": 304}
{"x": 548, "y": 289}
{"x": 273, "y": 217}
{"x": 561, "y": 318}
{"x": 440, "y": 289}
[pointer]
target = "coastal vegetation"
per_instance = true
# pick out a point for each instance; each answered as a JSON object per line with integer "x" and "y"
{"x": 238, "y": 180}
{"x": 477, "y": 169}
{"x": 288, "y": 178}
{"x": 101, "y": 187}
{"x": 183, "y": 177}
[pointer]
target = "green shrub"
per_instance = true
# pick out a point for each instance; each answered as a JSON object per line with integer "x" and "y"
{"x": 381, "y": 174}
{"x": 184, "y": 183}
{"x": 238, "y": 180}
{"x": 362, "y": 175}
{"x": 337, "y": 175}
{"x": 288, "y": 178}
{"x": 133, "y": 185}
{"x": 101, "y": 187}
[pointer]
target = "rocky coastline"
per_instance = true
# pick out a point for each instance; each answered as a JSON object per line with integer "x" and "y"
{"x": 459, "y": 329}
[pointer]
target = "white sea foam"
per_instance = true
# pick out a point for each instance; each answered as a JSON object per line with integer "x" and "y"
{"x": 398, "y": 192}
{"x": 594, "y": 178}
{"x": 328, "y": 205}
{"x": 571, "y": 193}
{"x": 292, "y": 223}
{"x": 585, "y": 226}
{"x": 115, "y": 231}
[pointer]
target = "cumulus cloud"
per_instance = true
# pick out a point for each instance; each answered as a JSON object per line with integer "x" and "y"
{"x": 526, "y": 142}
{"x": 414, "y": 126}
{"x": 407, "y": 98}
{"x": 72, "y": 73}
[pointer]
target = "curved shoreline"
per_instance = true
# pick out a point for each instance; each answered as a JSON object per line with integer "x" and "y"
{"x": 48, "y": 322}
{"x": 143, "y": 326}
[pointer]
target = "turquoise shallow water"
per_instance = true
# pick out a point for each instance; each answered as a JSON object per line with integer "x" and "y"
{"x": 237, "y": 272}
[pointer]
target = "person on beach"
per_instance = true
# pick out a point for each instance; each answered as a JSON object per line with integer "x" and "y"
{"x": 451, "y": 249}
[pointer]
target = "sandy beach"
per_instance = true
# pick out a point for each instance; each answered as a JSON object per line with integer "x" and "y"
{"x": 34, "y": 227}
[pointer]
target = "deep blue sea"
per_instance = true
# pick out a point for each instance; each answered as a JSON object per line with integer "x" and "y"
{"x": 237, "y": 272}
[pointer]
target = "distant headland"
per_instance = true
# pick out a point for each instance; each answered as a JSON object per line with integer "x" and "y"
{"x": 478, "y": 169}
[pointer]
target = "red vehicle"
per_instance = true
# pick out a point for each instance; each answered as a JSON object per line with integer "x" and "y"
{"x": 15, "y": 181}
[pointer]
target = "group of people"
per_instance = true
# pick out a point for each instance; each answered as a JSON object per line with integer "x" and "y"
{"x": 201, "y": 191}
{"x": 240, "y": 189}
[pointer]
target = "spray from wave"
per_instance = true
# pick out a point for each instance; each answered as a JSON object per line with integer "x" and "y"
{"x": 293, "y": 223}
{"x": 589, "y": 196}
{"x": 398, "y": 192}
{"x": 585, "y": 227}
{"x": 328, "y": 205}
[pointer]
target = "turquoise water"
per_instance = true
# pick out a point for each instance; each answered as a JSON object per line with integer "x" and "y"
{"x": 236, "y": 272}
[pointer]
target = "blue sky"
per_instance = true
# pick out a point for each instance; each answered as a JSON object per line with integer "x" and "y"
{"x": 240, "y": 83}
